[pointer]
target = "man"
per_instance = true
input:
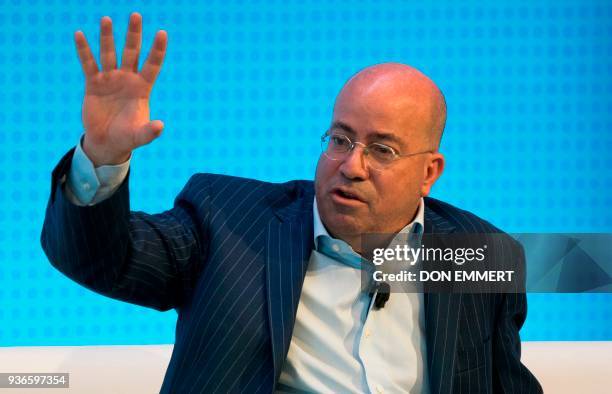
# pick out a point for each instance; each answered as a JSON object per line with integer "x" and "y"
{"x": 266, "y": 277}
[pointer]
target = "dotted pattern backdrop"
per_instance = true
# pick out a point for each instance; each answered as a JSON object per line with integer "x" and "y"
{"x": 247, "y": 88}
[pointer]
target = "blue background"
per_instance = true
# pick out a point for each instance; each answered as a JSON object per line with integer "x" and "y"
{"x": 247, "y": 89}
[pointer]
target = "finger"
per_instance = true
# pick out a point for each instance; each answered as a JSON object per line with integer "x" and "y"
{"x": 88, "y": 63}
{"x": 108, "y": 57}
{"x": 149, "y": 132}
{"x": 151, "y": 68}
{"x": 129, "y": 59}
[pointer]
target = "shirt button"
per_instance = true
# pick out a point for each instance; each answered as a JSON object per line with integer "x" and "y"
{"x": 379, "y": 389}
{"x": 336, "y": 247}
{"x": 86, "y": 186}
{"x": 367, "y": 333}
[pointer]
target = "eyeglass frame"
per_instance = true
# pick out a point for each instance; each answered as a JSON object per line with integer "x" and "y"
{"x": 366, "y": 150}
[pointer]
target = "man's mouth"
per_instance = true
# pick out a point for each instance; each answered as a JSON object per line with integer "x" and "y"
{"x": 347, "y": 195}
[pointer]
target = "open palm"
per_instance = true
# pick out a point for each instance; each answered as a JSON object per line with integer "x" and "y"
{"x": 116, "y": 104}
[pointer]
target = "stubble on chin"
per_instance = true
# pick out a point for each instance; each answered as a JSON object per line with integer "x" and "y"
{"x": 344, "y": 225}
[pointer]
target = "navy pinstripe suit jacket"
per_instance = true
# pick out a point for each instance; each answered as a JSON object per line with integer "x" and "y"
{"x": 231, "y": 256}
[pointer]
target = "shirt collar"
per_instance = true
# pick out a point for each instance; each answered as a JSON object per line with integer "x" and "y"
{"x": 416, "y": 226}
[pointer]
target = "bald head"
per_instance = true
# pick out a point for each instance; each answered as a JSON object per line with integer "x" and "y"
{"x": 395, "y": 106}
{"x": 408, "y": 90}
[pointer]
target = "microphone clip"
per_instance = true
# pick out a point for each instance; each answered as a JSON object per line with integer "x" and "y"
{"x": 382, "y": 292}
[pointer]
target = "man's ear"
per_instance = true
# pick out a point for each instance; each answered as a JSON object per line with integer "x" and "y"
{"x": 434, "y": 166}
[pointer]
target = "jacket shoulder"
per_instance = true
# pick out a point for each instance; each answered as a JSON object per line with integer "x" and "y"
{"x": 465, "y": 222}
{"x": 274, "y": 195}
{"x": 460, "y": 219}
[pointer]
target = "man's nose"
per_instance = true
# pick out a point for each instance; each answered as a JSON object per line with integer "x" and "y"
{"x": 355, "y": 166}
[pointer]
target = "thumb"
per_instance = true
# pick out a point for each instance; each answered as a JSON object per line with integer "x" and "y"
{"x": 149, "y": 132}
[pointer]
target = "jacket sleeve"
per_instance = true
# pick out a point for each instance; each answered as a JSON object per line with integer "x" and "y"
{"x": 509, "y": 373}
{"x": 149, "y": 260}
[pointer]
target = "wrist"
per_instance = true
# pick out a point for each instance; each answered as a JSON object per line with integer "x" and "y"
{"x": 101, "y": 155}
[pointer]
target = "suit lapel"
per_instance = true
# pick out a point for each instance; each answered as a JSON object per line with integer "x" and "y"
{"x": 289, "y": 244}
{"x": 288, "y": 249}
{"x": 441, "y": 316}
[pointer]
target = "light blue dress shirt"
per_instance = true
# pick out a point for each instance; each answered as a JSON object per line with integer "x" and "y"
{"x": 88, "y": 185}
{"x": 339, "y": 343}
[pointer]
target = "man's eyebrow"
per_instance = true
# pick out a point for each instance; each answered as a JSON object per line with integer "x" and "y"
{"x": 375, "y": 135}
{"x": 342, "y": 126}
{"x": 380, "y": 135}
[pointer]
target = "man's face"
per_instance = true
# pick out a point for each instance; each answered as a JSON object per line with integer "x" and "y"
{"x": 354, "y": 199}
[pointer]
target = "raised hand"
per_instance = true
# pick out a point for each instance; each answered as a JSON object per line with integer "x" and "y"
{"x": 116, "y": 104}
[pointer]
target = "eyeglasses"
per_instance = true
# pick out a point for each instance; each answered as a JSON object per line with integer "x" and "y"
{"x": 379, "y": 156}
